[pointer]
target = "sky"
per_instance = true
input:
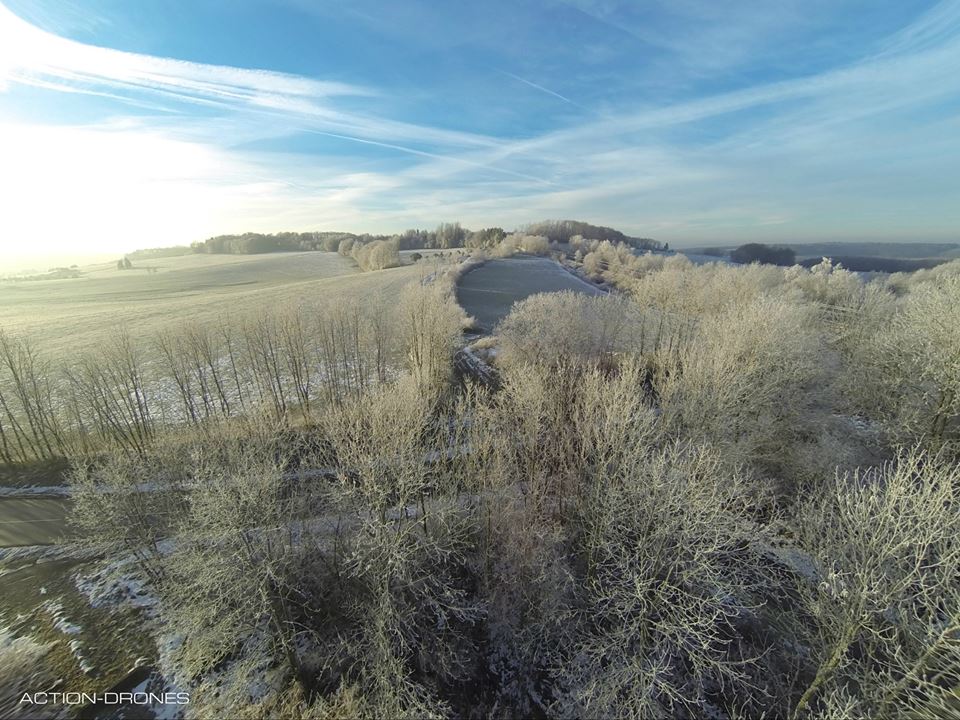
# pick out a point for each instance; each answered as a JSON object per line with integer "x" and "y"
{"x": 161, "y": 122}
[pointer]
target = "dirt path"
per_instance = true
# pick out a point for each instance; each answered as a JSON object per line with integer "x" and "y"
{"x": 489, "y": 292}
{"x": 32, "y": 521}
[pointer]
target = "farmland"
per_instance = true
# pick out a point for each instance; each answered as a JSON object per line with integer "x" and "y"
{"x": 198, "y": 336}
{"x": 65, "y": 316}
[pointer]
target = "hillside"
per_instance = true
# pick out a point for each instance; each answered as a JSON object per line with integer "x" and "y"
{"x": 68, "y": 315}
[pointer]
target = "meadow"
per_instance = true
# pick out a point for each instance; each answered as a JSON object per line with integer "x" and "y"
{"x": 65, "y": 316}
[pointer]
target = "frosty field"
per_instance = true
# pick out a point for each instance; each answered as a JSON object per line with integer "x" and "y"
{"x": 70, "y": 315}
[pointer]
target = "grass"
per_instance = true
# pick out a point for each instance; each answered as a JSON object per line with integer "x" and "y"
{"x": 69, "y": 315}
{"x": 489, "y": 292}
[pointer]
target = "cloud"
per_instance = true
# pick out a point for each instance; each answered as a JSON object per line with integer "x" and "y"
{"x": 32, "y": 56}
{"x": 701, "y": 38}
{"x": 827, "y": 153}
{"x": 831, "y": 151}
{"x": 33, "y": 53}
{"x": 938, "y": 25}
{"x": 120, "y": 186}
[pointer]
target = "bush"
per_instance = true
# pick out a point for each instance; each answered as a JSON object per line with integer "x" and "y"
{"x": 744, "y": 381}
{"x": 550, "y": 328}
{"x": 886, "y": 608}
{"x": 431, "y": 325}
{"x": 906, "y": 372}
{"x": 535, "y": 245}
{"x": 238, "y": 564}
{"x": 827, "y": 283}
{"x": 376, "y": 255}
{"x": 665, "y": 581}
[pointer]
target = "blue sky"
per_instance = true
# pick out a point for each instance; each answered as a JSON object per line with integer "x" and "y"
{"x": 127, "y": 124}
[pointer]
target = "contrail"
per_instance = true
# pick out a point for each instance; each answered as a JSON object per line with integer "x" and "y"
{"x": 541, "y": 88}
{"x": 435, "y": 156}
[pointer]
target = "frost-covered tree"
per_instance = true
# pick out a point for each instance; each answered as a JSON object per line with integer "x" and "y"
{"x": 885, "y": 606}
{"x": 429, "y": 323}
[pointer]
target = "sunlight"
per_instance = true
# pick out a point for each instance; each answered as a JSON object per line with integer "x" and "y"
{"x": 22, "y": 46}
{"x": 75, "y": 189}
{"x": 9, "y": 45}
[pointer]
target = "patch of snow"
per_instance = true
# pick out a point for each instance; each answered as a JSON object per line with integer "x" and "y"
{"x": 792, "y": 558}
{"x": 60, "y": 622}
{"x": 116, "y": 584}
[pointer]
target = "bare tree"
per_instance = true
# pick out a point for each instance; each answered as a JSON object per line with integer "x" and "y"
{"x": 430, "y": 323}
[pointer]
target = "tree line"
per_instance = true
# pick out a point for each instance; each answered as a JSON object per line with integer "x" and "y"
{"x": 283, "y": 362}
{"x": 444, "y": 237}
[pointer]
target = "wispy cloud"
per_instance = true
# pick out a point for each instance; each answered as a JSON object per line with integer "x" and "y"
{"x": 826, "y": 151}
{"x": 31, "y": 53}
{"x": 700, "y": 37}
{"x": 792, "y": 153}
{"x": 32, "y": 56}
{"x": 938, "y": 26}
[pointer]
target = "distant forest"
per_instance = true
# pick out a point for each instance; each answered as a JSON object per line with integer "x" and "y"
{"x": 859, "y": 263}
{"x": 856, "y": 256}
{"x": 445, "y": 236}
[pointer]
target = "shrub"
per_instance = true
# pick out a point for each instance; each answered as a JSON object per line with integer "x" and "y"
{"x": 535, "y": 244}
{"x": 905, "y": 372}
{"x": 409, "y": 609}
{"x": 430, "y": 323}
{"x": 744, "y": 380}
{"x": 376, "y": 255}
{"x": 826, "y": 283}
{"x": 886, "y": 607}
{"x": 664, "y": 538}
{"x": 234, "y": 588}
{"x": 552, "y": 327}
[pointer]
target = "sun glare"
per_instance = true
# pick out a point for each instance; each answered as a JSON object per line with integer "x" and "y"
{"x": 88, "y": 189}
{"x": 78, "y": 189}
